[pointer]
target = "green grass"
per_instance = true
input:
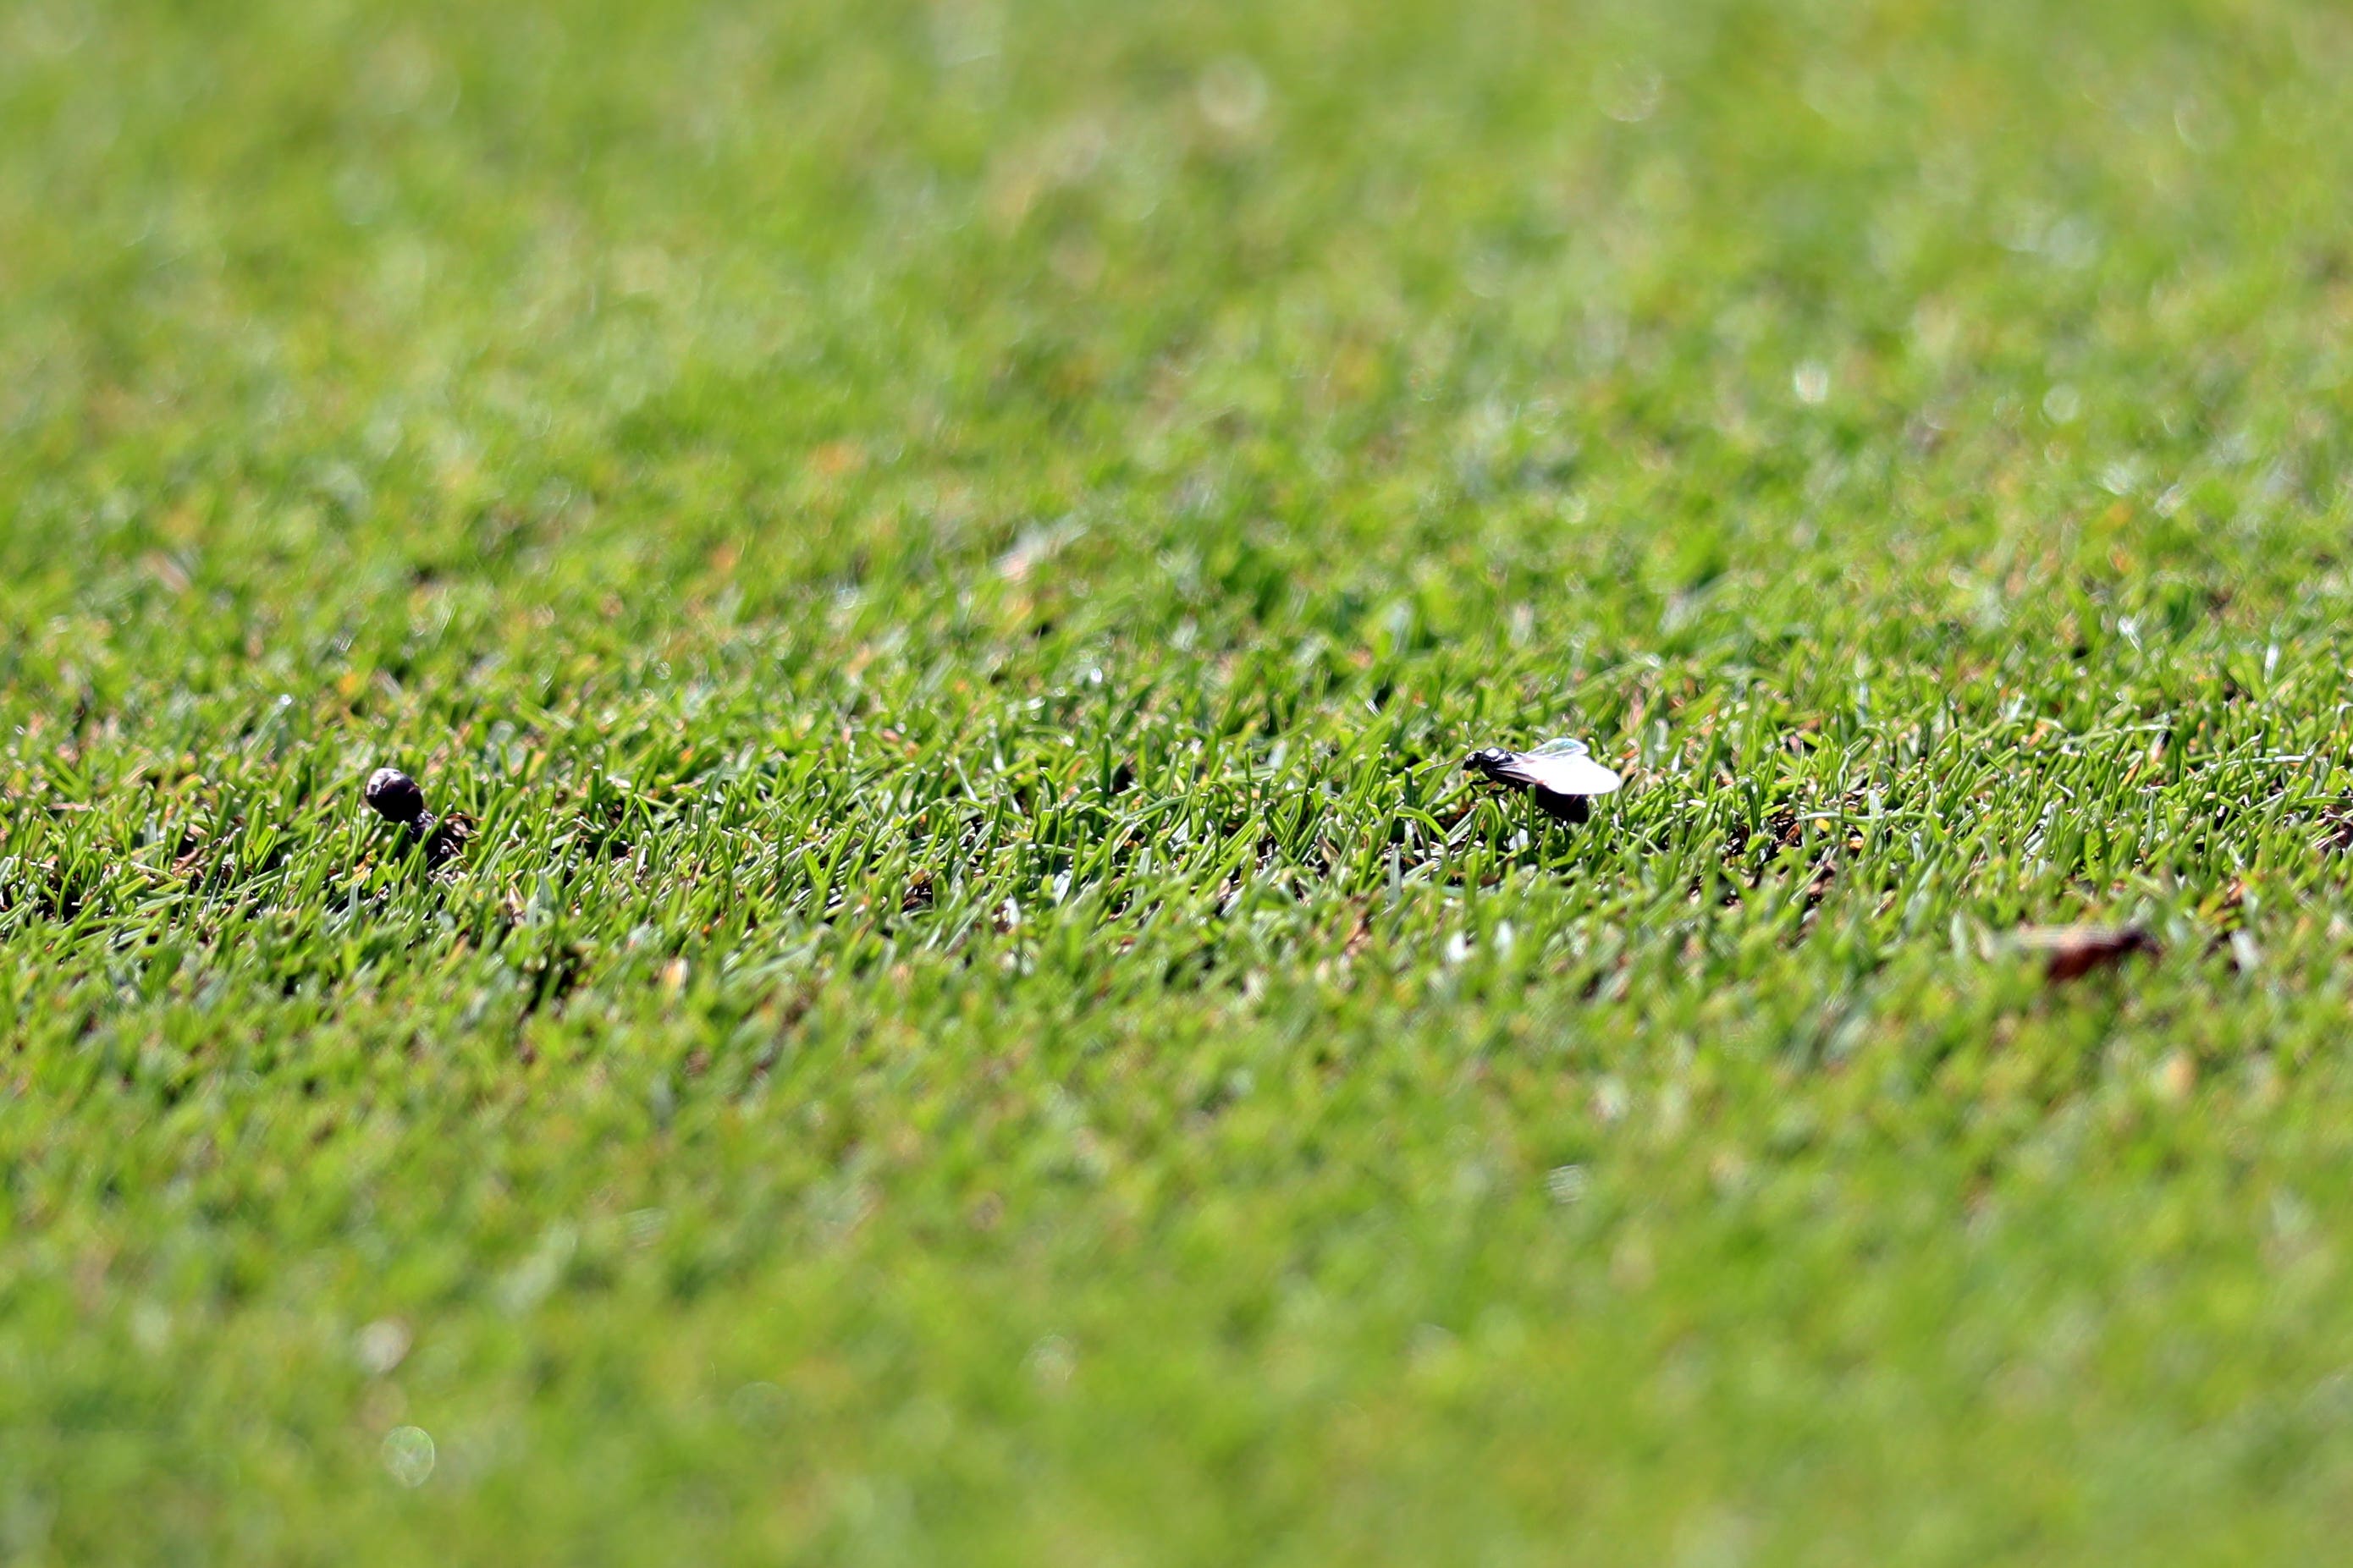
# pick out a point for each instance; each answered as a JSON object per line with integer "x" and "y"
{"x": 953, "y": 552}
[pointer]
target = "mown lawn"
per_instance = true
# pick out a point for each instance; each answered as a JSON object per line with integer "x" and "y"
{"x": 953, "y": 553}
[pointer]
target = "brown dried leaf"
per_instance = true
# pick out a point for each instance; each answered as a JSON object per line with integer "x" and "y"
{"x": 2074, "y": 951}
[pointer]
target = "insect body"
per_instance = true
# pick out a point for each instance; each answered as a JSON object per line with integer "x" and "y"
{"x": 395, "y": 798}
{"x": 400, "y": 800}
{"x": 1561, "y": 775}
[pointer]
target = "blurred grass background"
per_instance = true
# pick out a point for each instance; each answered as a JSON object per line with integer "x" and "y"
{"x": 953, "y": 550}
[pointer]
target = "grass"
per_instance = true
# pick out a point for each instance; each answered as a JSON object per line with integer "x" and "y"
{"x": 953, "y": 553}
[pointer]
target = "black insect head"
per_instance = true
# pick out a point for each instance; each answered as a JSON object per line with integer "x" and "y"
{"x": 396, "y": 797}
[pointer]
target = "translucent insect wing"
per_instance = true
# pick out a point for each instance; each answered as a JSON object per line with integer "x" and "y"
{"x": 1564, "y": 767}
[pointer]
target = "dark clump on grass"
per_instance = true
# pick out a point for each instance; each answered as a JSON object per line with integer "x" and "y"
{"x": 400, "y": 800}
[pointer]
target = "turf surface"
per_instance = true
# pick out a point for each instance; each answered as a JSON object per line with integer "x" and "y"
{"x": 953, "y": 554}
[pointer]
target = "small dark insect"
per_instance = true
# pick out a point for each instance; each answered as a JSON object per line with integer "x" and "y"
{"x": 398, "y": 799}
{"x": 1561, "y": 775}
{"x": 2073, "y": 952}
